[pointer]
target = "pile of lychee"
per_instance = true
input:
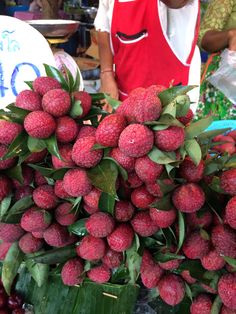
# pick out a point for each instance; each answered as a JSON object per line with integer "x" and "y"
{"x": 129, "y": 136}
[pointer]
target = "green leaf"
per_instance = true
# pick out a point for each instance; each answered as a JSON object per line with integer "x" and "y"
{"x": 196, "y": 128}
{"x": 209, "y": 135}
{"x": 164, "y": 121}
{"x": 195, "y": 268}
{"x": 78, "y": 228}
{"x": 30, "y": 84}
{"x": 76, "y": 85}
{"x": 204, "y": 234}
{"x": 133, "y": 260}
{"x": 161, "y": 157}
{"x": 69, "y": 78}
{"x": 166, "y": 257}
{"x": 182, "y": 105}
{"x": 188, "y": 291}
{"x": 16, "y": 114}
{"x": 231, "y": 163}
{"x": 231, "y": 261}
{"x": 76, "y": 109}
{"x": 14, "y": 214}
{"x": 107, "y": 203}
{"x": 98, "y": 97}
{"x": 76, "y": 203}
{"x": 56, "y": 174}
{"x": 113, "y": 102}
{"x": 104, "y": 176}
{"x": 11, "y": 265}
{"x": 169, "y": 237}
{"x": 18, "y": 147}
{"x": 216, "y": 306}
{"x": 56, "y": 74}
{"x": 51, "y": 144}
{"x": 181, "y": 225}
{"x": 4, "y": 206}
{"x": 170, "y": 109}
{"x": 215, "y": 185}
{"x": 35, "y": 144}
{"x": 120, "y": 274}
{"x": 164, "y": 203}
{"x": 15, "y": 173}
{"x": 38, "y": 271}
{"x": 193, "y": 150}
{"x": 170, "y": 94}
{"x": 122, "y": 171}
{"x": 54, "y": 256}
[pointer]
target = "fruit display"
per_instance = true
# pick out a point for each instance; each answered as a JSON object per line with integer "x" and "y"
{"x": 141, "y": 196}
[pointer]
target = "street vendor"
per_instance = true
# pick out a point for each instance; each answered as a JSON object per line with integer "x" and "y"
{"x": 147, "y": 42}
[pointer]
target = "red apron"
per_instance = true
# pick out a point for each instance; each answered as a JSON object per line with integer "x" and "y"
{"x": 142, "y": 55}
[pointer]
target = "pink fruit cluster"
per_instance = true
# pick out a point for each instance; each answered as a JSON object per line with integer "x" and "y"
{"x": 129, "y": 140}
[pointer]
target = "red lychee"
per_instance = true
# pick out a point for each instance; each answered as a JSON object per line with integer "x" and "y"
{"x": 56, "y": 235}
{"x": 143, "y": 225}
{"x": 59, "y": 190}
{"x": 224, "y": 240}
{"x": 29, "y": 100}
{"x": 230, "y": 212}
{"x": 99, "y": 274}
{"x": 163, "y": 218}
{"x": 23, "y": 191}
{"x": 4, "y": 248}
{"x": 29, "y": 244}
{"x": 44, "y": 197}
{"x": 43, "y": 84}
{"x": 121, "y": 238}
{"x": 56, "y": 102}
{"x": 9, "y": 131}
{"x": 232, "y": 134}
{"x": 39, "y": 124}
{"x": 86, "y": 101}
{"x": 141, "y": 198}
{"x": 154, "y": 189}
{"x": 148, "y": 170}
{"x": 227, "y": 290}
{"x": 66, "y": 155}
{"x": 136, "y": 140}
{"x": 91, "y": 248}
{"x": 36, "y": 157}
{"x": 125, "y": 161}
{"x": 171, "y": 289}
{"x": 227, "y": 146}
{"x": 185, "y": 274}
{"x": 5, "y": 186}
{"x": 86, "y": 130}
{"x": 187, "y": 118}
{"x": 66, "y": 130}
{"x": 83, "y": 153}
{"x": 188, "y": 198}
{"x": 169, "y": 139}
{"x": 133, "y": 180}
{"x": 112, "y": 259}
{"x": 71, "y": 273}
{"x": 39, "y": 179}
{"x": 100, "y": 225}
{"x": 190, "y": 172}
{"x": 6, "y": 163}
{"x": 10, "y": 232}
{"x": 195, "y": 246}
{"x": 76, "y": 182}
{"x": 35, "y": 219}
{"x": 65, "y": 215}
{"x": 212, "y": 261}
{"x": 92, "y": 198}
{"x": 124, "y": 211}
{"x": 201, "y": 304}
{"x": 199, "y": 219}
{"x": 228, "y": 182}
{"x": 226, "y": 310}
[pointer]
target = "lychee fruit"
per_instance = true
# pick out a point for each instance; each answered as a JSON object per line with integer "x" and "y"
{"x": 227, "y": 290}
{"x": 121, "y": 238}
{"x": 36, "y": 157}
{"x": 201, "y": 304}
{"x": 76, "y": 182}
{"x": 212, "y": 261}
{"x": 65, "y": 215}
{"x": 185, "y": 120}
{"x": 4, "y": 248}
{"x": 23, "y": 191}
{"x": 92, "y": 199}
{"x": 185, "y": 274}
{"x": 195, "y": 246}
{"x": 59, "y": 190}
{"x": 99, "y": 274}
{"x": 230, "y": 212}
{"x": 133, "y": 180}
{"x": 154, "y": 189}
{"x": 143, "y": 225}
{"x": 190, "y": 172}
{"x": 224, "y": 240}
{"x": 43, "y": 84}
{"x": 44, "y": 197}
{"x": 227, "y": 146}
{"x": 136, "y": 140}
{"x": 56, "y": 102}
{"x": 29, "y": 100}
{"x": 71, "y": 273}
{"x": 35, "y": 219}
{"x": 5, "y": 163}
{"x": 86, "y": 101}
{"x": 38, "y": 234}
{"x": 29, "y": 244}
{"x": 39, "y": 179}
{"x": 27, "y": 174}
{"x": 228, "y": 182}
{"x": 188, "y": 198}
{"x": 5, "y": 186}
{"x": 148, "y": 170}
{"x": 66, "y": 130}
{"x": 141, "y": 198}
{"x": 9, "y": 131}
{"x": 232, "y": 134}
{"x": 109, "y": 130}
{"x": 66, "y": 161}
{"x": 171, "y": 264}
{"x": 112, "y": 259}
{"x": 123, "y": 211}
{"x": 163, "y": 218}
{"x": 199, "y": 219}
{"x": 169, "y": 139}
{"x": 125, "y": 161}
{"x": 10, "y": 232}
{"x": 226, "y": 310}
{"x": 171, "y": 289}
{"x": 100, "y": 225}
{"x": 83, "y": 153}
{"x": 91, "y": 248}
{"x": 86, "y": 130}
{"x": 56, "y": 235}
{"x": 39, "y": 124}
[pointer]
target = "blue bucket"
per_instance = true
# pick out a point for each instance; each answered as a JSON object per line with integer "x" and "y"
{"x": 222, "y": 124}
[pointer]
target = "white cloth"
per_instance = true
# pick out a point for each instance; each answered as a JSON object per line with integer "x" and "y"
{"x": 178, "y": 26}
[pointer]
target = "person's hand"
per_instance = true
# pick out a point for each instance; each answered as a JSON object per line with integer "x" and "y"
{"x": 108, "y": 85}
{"x": 232, "y": 39}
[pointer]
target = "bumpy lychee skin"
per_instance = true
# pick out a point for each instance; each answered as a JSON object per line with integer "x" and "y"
{"x": 133, "y": 180}
{"x": 143, "y": 224}
{"x": 83, "y": 153}
{"x": 76, "y": 182}
{"x": 44, "y": 197}
{"x": 224, "y": 240}
{"x": 100, "y": 225}
{"x": 23, "y": 191}
{"x": 59, "y": 190}
{"x": 124, "y": 211}
{"x": 92, "y": 198}
{"x": 86, "y": 101}
{"x": 227, "y": 145}
{"x": 35, "y": 219}
{"x": 203, "y": 220}
{"x": 39, "y": 124}
{"x": 212, "y": 261}
{"x": 6, "y": 163}
{"x": 141, "y": 198}
{"x": 190, "y": 172}
{"x": 109, "y": 130}
{"x": 230, "y": 212}
{"x": 125, "y": 161}
{"x": 227, "y": 290}
{"x": 38, "y": 234}
{"x": 43, "y": 84}
{"x": 5, "y": 186}
{"x": 185, "y": 120}
{"x": 99, "y": 274}
{"x": 169, "y": 139}
{"x": 39, "y": 179}
{"x": 10, "y": 232}
{"x": 228, "y": 181}
{"x": 136, "y": 140}
{"x": 201, "y": 304}
{"x": 86, "y": 130}
{"x": 121, "y": 238}
{"x": 9, "y": 131}
{"x": 56, "y": 102}
{"x": 185, "y": 274}
{"x": 112, "y": 259}
{"x": 91, "y": 248}
{"x": 56, "y": 235}
{"x": 29, "y": 100}
{"x": 66, "y": 155}
{"x": 72, "y": 271}
{"x": 163, "y": 218}
{"x": 64, "y": 214}
{"x": 148, "y": 170}
{"x": 36, "y": 157}
{"x": 171, "y": 289}
{"x": 195, "y": 246}
{"x": 154, "y": 189}
{"x": 66, "y": 130}
{"x": 4, "y": 248}
{"x": 188, "y": 198}
{"x": 29, "y": 244}
{"x": 226, "y": 310}
{"x": 232, "y": 134}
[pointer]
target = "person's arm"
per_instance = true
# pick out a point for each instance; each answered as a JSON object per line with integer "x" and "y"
{"x": 175, "y": 4}
{"x": 214, "y": 40}
{"x": 108, "y": 83}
